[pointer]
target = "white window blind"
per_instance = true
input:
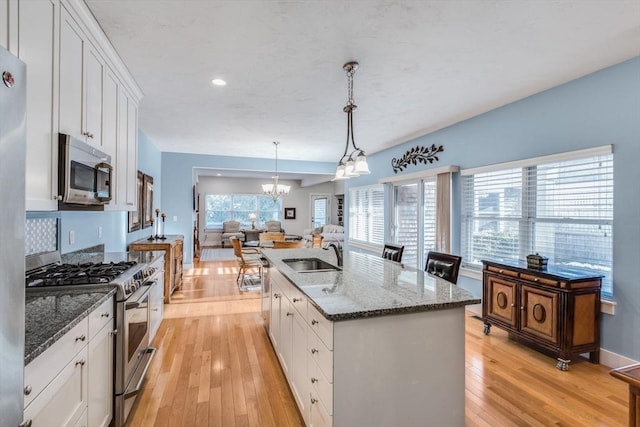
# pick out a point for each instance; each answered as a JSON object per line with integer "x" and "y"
{"x": 366, "y": 215}
{"x": 561, "y": 209}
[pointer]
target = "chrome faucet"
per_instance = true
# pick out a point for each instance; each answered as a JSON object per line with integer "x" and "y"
{"x": 337, "y": 250}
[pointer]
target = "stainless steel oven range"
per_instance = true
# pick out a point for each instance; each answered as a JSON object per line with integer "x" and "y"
{"x": 134, "y": 281}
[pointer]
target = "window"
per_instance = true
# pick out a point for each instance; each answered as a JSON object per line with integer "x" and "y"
{"x": 558, "y": 206}
{"x": 366, "y": 215}
{"x": 237, "y": 207}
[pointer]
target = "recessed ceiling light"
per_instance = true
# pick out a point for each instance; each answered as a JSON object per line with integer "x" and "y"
{"x": 218, "y": 174}
{"x": 219, "y": 82}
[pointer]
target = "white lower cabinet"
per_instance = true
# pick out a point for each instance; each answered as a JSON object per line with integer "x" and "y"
{"x": 156, "y": 308}
{"x": 100, "y": 367}
{"x": 71, "y": 383}
{"x": 292, "y": 336}
{"x": 64, "y": 400}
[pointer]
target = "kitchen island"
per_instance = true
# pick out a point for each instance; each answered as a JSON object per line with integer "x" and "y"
{"x": 374, "y": 343}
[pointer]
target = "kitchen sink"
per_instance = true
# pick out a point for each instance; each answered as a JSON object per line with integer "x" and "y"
{"x": 309, "y": 265}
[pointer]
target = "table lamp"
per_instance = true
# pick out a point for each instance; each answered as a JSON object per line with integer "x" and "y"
{"x": 252, "y": 218}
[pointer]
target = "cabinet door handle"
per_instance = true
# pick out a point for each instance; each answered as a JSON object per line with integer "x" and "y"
{"x": 104, "y": 315}
{"x": 500, "y": 271}
{"x": 536, "y": 279}
{"x": 314, "y": 380}
{"x": 314, "y": 322}
{"x": 522, "y": 308}
{"x": 314, "y": 400}
{"x": 297, "y": 299}
{"x": 289, "y": 314}
{"x": 27, "y": 390}
{"x": 314, "y": 351}
{"x": 276, "y": 295}
{"x": 81, "y": 338}
{"x": 80, "y": 362}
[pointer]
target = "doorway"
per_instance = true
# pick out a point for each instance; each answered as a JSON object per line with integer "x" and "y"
{"x": 320, "y": 210}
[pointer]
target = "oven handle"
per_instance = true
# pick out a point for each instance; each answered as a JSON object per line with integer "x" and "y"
{"x": 142, "y": 293}
{"x": 149, "y": 352}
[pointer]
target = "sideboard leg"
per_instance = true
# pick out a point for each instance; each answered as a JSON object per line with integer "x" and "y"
{"x": 486, "y": 329}
{"x": 563, "y": 364}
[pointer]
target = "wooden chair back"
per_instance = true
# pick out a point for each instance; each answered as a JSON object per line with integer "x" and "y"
{"x": 269, "y": 237}
{"x": 443, "y": 265}
{"x": 288, "y": 245}
{"x": 392, "y": 252}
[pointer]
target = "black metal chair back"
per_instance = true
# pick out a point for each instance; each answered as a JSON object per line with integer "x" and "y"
{"x": 392, "y": 252}
{"x": 443, "y": 265}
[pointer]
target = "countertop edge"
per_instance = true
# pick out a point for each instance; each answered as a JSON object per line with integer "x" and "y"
{"x": 390, "y": 311}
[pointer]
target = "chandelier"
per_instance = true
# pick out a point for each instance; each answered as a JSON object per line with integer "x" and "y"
{"x": 274, "y": 189}
{"x": 356, "y": 163}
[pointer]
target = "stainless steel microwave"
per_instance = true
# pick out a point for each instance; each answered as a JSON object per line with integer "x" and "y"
{"x": 84, "y": 173}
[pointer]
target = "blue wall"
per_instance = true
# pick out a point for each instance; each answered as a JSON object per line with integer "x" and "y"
{"x": 177, "y": 191}
{"x": 114, "y": 223}
{"x": 599, "y": 109}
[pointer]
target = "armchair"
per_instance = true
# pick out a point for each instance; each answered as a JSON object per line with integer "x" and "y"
{"x": 231, "y": 229}
{"x": 273, "y": 226}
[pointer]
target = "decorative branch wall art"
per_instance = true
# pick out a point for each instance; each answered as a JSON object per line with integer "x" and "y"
{"x": 416, "y": 155}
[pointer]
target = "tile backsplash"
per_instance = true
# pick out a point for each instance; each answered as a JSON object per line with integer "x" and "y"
{"x": 41, "y": 235}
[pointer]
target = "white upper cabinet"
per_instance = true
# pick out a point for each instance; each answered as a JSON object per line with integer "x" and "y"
{"x": 93, "y": 75}
{"x": 81, "y": 75}
{"x": 71, "y": 49}
{"x": 38, "y": 26}
{"x": 77, "y": 85}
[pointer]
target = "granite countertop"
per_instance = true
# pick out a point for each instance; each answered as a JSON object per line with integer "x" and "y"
{"x": 368, "y": 286}
{"x": 105, "y": 257}
{"x": 50, "y": 314}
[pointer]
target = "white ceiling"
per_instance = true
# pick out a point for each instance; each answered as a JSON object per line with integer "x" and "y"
{"x": 424, "y": 65}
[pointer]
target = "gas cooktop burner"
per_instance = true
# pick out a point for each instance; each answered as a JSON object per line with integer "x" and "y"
{"x": 77, "y": 274}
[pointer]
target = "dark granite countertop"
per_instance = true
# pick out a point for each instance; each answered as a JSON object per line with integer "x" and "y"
{"x": 105, "y": 257}
{"x": 50, "y": 314}
{"x": 368, "y": 286}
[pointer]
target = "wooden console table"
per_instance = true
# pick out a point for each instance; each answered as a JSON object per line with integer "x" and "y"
{"x": 172, "y": 247}
{"x": 555, "y": 311}
{"x": 631, "y": 375}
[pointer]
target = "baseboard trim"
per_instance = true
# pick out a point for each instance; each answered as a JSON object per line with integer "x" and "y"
{"x": 614, "y": 360}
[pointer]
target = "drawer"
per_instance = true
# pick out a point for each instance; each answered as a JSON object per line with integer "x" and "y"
{"x": 321, "y": 387}
{"x": 100, "y": 317}
{"x": 541, "y": 280}
{"x": 501, "y": 270}
{"x": 320, "y": 325}
{"x": 46, "y": 366}
{"x": 319, "y": 415}
{"x": 298, "y": 300}
{"x": 321, "y": 355}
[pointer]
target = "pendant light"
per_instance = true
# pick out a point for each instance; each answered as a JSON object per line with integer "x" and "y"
{"x": 274, "y": 189}
{"x": 356, "y": 163}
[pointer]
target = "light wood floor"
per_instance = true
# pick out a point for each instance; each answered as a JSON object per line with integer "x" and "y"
{"x": 215, "y": 367}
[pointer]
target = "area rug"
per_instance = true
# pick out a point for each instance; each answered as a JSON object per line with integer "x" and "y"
{"x": 210, "y": 254}
{"x": 251, "y": 282}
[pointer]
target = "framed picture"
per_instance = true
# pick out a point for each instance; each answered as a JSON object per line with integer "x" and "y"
{"x": 289, "y": 213}
{"x": 134, "y": 216}
{"x": 147, "y": 201}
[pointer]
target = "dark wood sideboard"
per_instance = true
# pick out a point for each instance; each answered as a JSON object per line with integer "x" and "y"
{"x": 172, "y": 247}
{"x": 555, "y": 311}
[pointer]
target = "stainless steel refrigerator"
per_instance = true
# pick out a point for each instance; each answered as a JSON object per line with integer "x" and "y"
{"x": 13, "y": 120}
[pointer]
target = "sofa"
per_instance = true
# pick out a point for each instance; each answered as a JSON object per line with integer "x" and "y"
{"x": 329, "y": 233}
